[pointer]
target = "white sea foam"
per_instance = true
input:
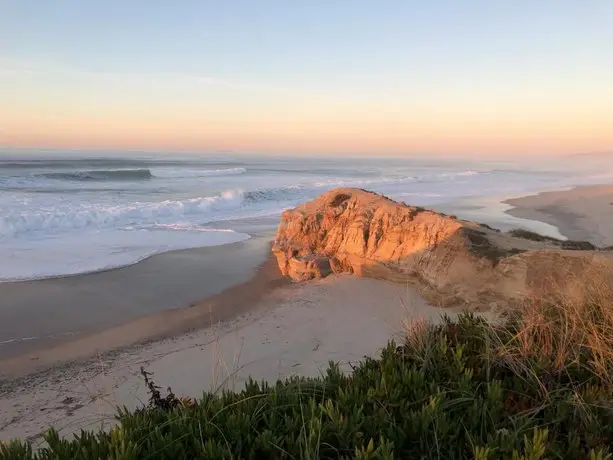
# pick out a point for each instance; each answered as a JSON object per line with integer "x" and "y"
{"x": 75, "y": 253}
{"x": 68, "y": 216}
{"x": 387, "y": 181}
{"x": 35, "y": 337}
{"x": 462, "y": 173}
{"x": 363, "y": 182}
{"x": 183, "y": 173}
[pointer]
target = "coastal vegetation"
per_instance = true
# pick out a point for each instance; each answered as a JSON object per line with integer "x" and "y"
{"x": 564, "y": 244}
{"x": 536, "y": 385}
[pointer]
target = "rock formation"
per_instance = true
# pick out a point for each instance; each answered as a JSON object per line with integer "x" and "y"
{"x": 453, "y": 262}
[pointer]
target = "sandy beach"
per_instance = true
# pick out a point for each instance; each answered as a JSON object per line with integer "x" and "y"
{"x": 582, "y": 213}
{"x": 44, "y": 313}
{"x": 294, "y": 329}
{"x": 207, "y": 319}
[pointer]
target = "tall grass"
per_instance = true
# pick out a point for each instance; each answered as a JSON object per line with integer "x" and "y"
{"x": 570, "y": 327}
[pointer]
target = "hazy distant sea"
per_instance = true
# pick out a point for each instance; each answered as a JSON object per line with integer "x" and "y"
{"x": 65, "y": 214}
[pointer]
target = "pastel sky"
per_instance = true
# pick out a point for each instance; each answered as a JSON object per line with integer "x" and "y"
{"x": 336, "y": 76}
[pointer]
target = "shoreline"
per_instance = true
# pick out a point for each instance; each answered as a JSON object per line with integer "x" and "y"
{"x": 219, "y": 308}
{"x": 110, "y": 267}
{"x": 494, "y": 212}
{"x": 39, "y": 314}
{"x": 113, "y": 267}
{"x": 583, "y": 213}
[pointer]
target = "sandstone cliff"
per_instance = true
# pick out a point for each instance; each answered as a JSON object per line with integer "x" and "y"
{"x": 454, "y": 262}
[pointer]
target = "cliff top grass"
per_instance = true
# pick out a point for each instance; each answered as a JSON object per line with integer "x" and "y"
{"x": 538, "y": 385}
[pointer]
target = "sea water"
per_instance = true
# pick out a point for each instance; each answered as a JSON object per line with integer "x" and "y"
{"x": 67, "y": 213}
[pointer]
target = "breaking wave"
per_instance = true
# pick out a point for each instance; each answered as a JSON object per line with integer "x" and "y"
{"x": 84, "y": 216}
{"x": 139, "y": 174}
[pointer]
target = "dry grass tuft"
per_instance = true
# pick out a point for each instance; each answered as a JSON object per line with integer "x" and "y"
{"x": 416, "y": 332}
{"x": 570, "y": 326}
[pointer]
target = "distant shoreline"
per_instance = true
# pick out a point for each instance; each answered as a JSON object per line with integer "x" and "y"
{"x": 582, "y": 213}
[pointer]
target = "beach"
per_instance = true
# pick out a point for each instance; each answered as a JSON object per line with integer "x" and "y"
{"x": 294, "y": 329}
{"x": 580, "y": 213}
{"x": 43, "y": 313}
{"x": 210, "y": 318}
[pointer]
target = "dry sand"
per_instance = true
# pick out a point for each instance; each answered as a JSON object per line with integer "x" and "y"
{"x": 582, "y": 213}
{"x": 294, "y": 329}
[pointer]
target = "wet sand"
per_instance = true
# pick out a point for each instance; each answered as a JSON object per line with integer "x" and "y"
{"x": 582, "y": 213}
{"x": 226, "y": 305}
{"x": 40, "y": 314}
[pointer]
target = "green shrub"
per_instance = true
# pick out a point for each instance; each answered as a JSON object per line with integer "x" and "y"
{"x": 578, "y": 245}
{"x": 450, "y": 391}
{"x": 339, "y": 199}
{"x": 489, "y": 227}
{"x": 528, "y": 235}
{"x": 481, "y": 246}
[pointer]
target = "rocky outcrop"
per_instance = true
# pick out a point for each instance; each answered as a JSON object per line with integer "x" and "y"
{"x": 454, "y": 262}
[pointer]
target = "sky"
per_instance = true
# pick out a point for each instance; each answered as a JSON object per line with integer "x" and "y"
{"x": 440, "y": 77}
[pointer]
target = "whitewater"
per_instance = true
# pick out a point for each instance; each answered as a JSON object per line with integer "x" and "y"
{"x": 63, "y": 215}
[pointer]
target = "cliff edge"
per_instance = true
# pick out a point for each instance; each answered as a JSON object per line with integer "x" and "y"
{"x": 453, "y": 262}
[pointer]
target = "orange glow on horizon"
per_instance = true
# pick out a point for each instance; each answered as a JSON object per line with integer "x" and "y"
{"x": 296, "y": 122}
{"x": 449, "y": 134}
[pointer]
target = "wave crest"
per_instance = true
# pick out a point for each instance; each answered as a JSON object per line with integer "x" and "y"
{"x": 100, "y": 175}
{"x": 180, "y": 173}
{"x": 139, "y": 174}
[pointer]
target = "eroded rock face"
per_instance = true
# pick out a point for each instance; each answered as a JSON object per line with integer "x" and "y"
{"x": 454, "y": 262}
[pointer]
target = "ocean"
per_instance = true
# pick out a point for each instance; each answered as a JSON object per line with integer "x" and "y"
{"x": 65, "y": 214}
